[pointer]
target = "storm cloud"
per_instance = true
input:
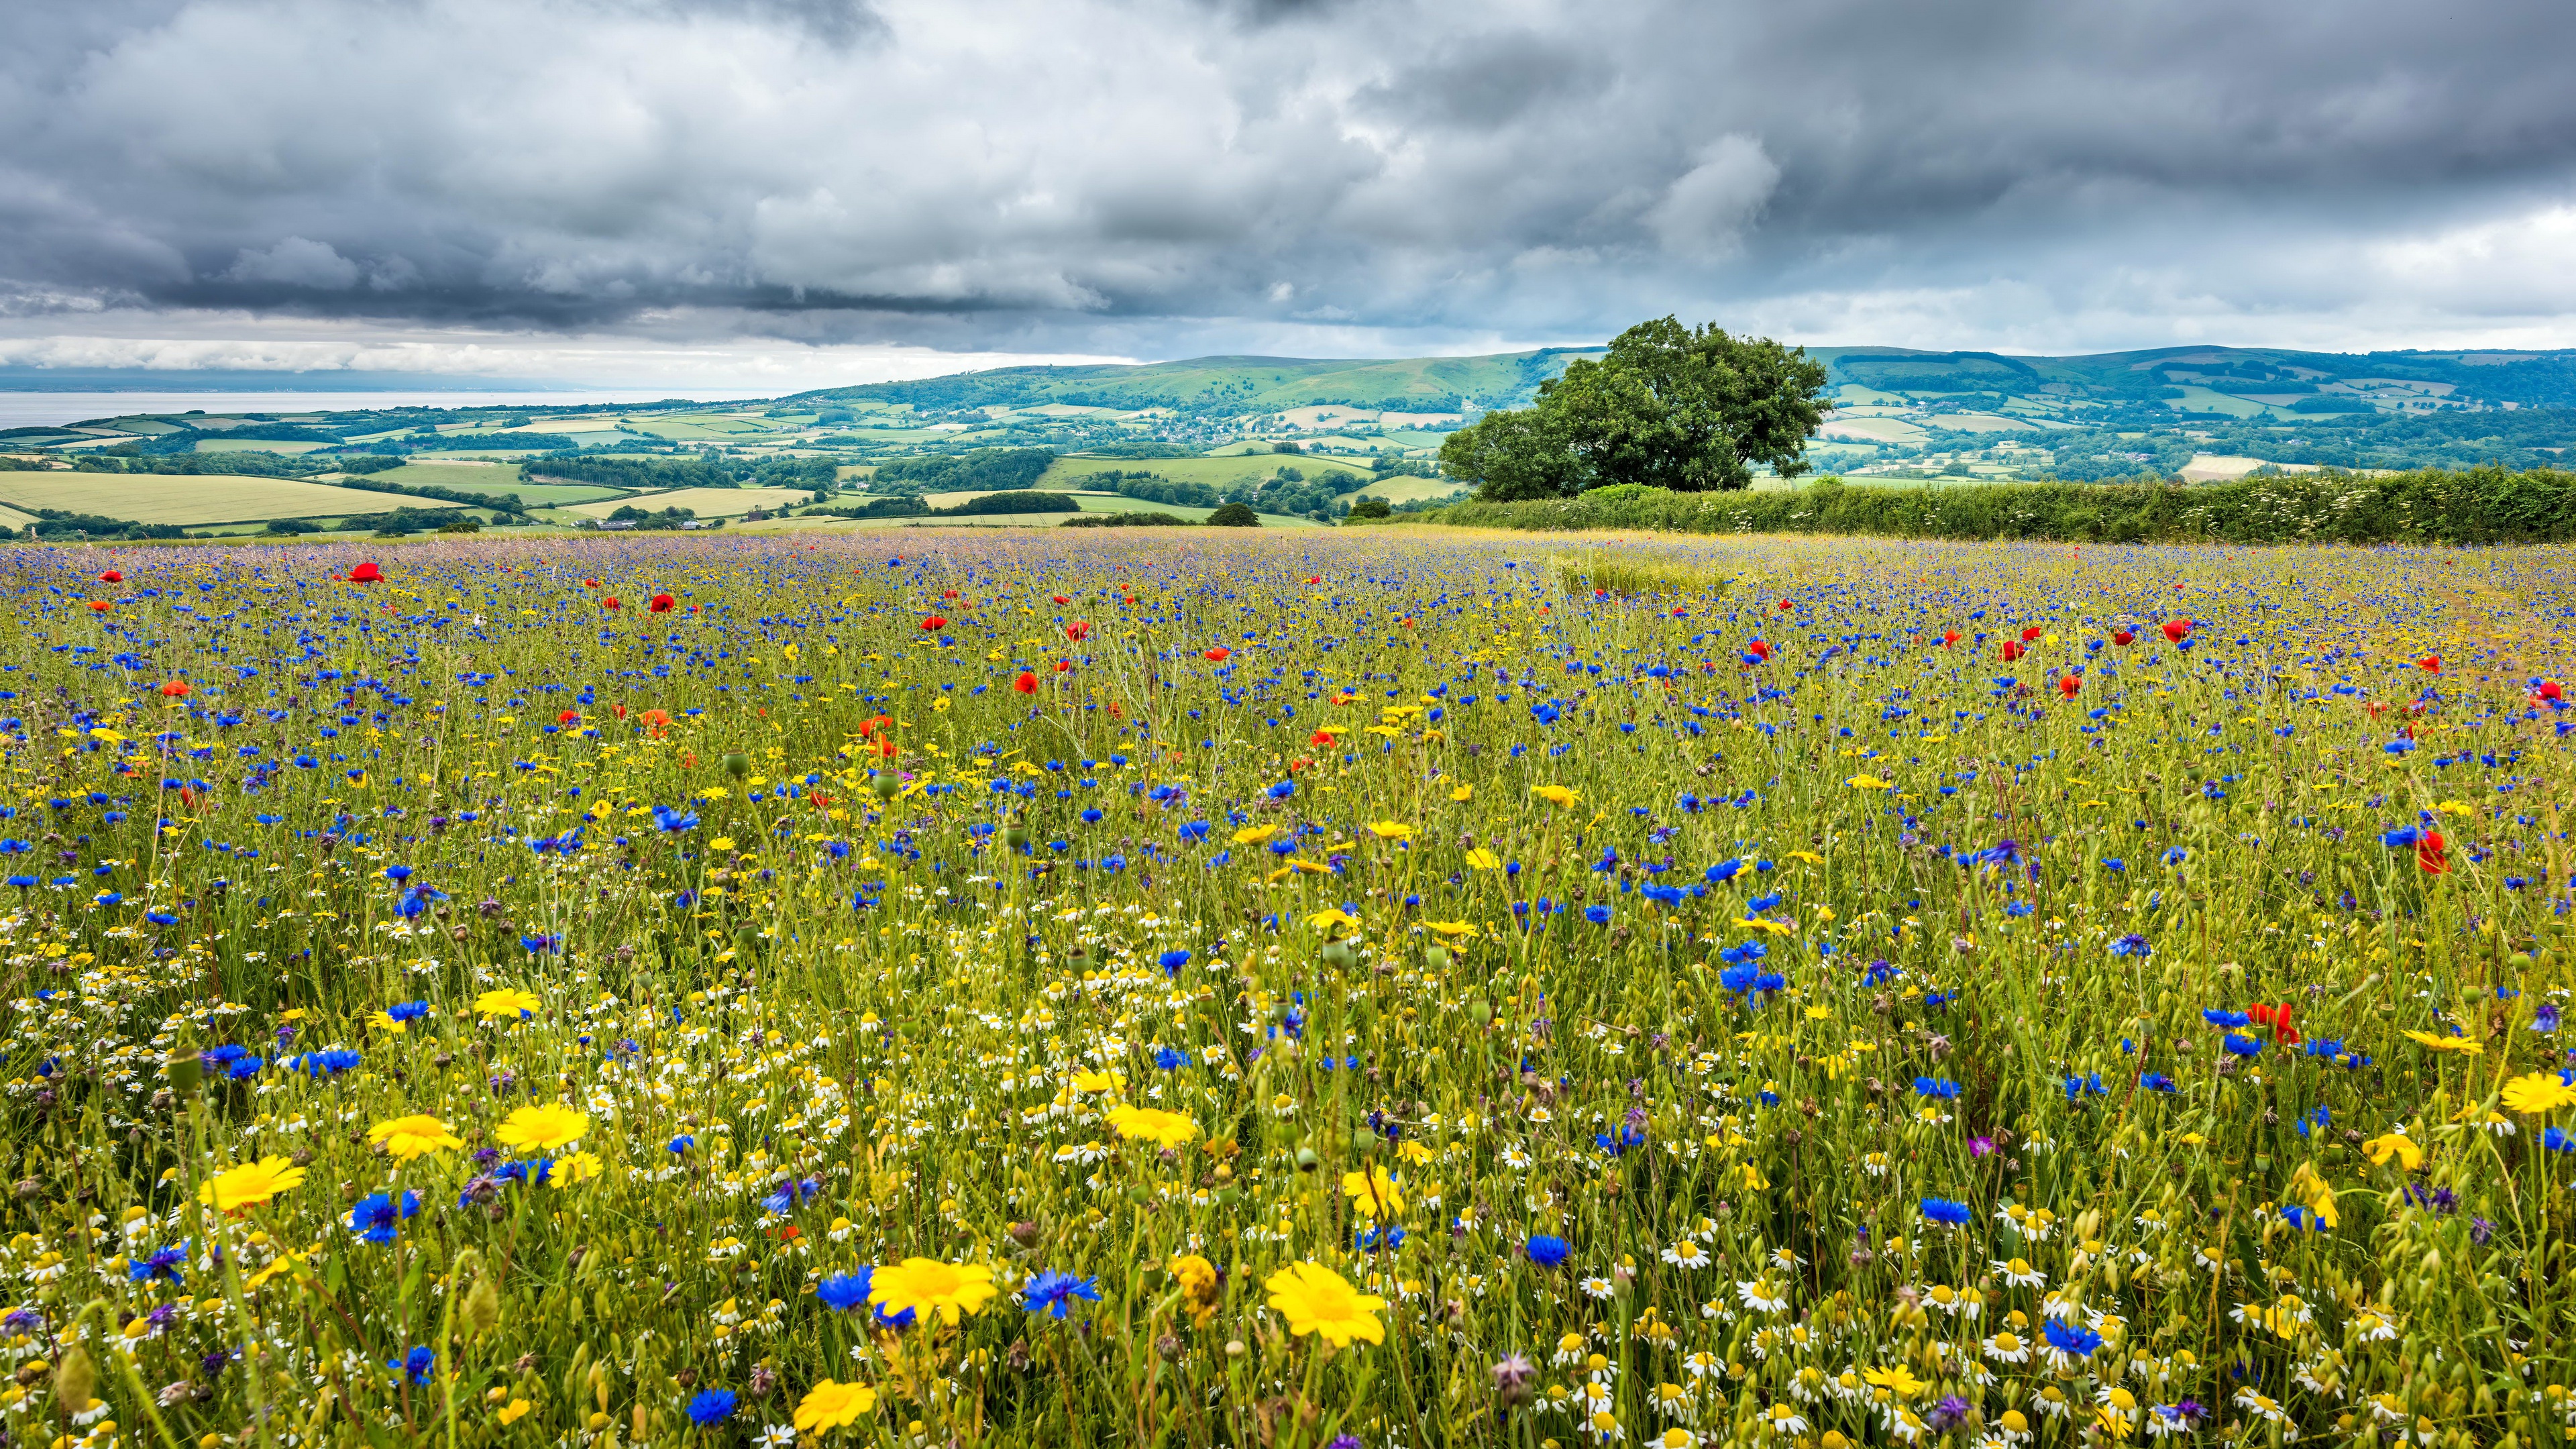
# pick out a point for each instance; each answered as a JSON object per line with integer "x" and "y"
{"x": 1158, "y": 177}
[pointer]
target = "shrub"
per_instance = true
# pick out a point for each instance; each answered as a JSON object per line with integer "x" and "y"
{"x": 1234, "y": 515}
{"x": 2479, "y": 506}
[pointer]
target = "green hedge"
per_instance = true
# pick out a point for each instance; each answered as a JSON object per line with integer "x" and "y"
{"x": 2482, "y": 505}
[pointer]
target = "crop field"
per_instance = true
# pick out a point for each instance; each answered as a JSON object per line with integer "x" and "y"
{"x": 1371, "y": 987}
{"x": 188, "y": 498}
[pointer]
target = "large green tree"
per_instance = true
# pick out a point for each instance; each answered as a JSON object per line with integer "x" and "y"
{"x": 1686, "y": 408}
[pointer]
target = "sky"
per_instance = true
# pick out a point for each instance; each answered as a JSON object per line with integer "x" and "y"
{"x": 792, "y": 193}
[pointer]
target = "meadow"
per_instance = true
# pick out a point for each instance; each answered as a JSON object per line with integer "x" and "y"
{"x": 1342, "y": 988}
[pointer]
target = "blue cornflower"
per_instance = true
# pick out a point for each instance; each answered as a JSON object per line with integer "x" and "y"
{"x": 408, "y": 1010}
{"x": 1597, "y": 915}
{"x": 163, "y": 1264}
{"x": 1548, "y": 1250}
{"x": 2132, "y": 944}
{"x": 681, "y": 1143}
{"x": 2242, "y": 1046}
{"x": 710, "y": 1407}
{"x": 375, "y": 1218}
{"x": 1173, "y": 961}
{"x": 791, "y": 1191}
{"x": 1940, "y": 1087}
{"x": 415, "y": 1365}
{"x": 2225, "y": 1018}
{"x": 2071, "y": 1338}
{"x": 844, "y": 1292}
{"x": 1053, "y": 1293}
{"x": 1949, "y": 1214}
{"x": 1171, "y": 1059}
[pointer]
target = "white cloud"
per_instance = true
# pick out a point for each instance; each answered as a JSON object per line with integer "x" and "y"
{"x": 1157, "y": 177}
{"x": 296, "y": 262}
{"x": 1704, "y": 212}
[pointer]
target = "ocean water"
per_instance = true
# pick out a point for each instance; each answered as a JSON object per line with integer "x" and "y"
{"x": 46, "y": 409}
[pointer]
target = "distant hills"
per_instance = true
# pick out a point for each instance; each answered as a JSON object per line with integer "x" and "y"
{"x": 1239, "y": 385}
{"x": 2195, "y": 413}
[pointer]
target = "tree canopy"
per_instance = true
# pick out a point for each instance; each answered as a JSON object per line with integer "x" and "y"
{"x": 1691, "y": 409}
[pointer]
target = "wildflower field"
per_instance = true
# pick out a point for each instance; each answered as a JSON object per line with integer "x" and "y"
{"x": 1364, "y": 988}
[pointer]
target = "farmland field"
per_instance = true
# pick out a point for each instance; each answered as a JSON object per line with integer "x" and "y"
{"x": 189, "y": 498}
{"x": 1227, "y": 987}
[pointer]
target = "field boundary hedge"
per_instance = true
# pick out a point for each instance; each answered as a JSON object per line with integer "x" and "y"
{"x": 2431, "y": 506}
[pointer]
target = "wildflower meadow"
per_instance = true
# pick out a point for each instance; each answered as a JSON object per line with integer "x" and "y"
{"x": 1352, "y": 988}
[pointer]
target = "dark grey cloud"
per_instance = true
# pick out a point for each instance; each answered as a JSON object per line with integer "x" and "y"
{"x": 1148, "y": 176}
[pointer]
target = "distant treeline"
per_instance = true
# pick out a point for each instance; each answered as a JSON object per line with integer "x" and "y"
{"x": 2476, "y": 506}
{"x": 632, "y": 471}
{"x": 979, "y": 470}
{"x": 910, "y": 505}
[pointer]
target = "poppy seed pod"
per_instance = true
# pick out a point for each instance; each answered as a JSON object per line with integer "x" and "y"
{"x": 185, "y": 1070}
{"x": 737, "y": 765}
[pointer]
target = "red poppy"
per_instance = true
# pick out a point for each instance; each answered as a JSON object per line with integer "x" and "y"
{"x": 2012, "y": 651}
{"x": 1784, "y": 606}
{"x": 1320, "y": 739}
{"x": 2177, "y": 630}
{"x": 1077, "y": 631}
{"x": 934, "y": 623}
{"x": 2277, "y": 1018}
{"x": 1059, "y": 598}
{"x": 1949, "y": 637}
{"x": 2549, "y": 690}
{"x": 111, "y": 577}
{"x": 2122, "y": 638}
{"x": 948, "y": 593}
{"x": 618, "y": 710}
{"x": 662, "y": 603}
{"x": 2067, "y": 684}
{"x": 590, "y": 583}
{"x": 2033, "y": 632}
{"x": 367, "y": 573}
{"x": 568, "y": 716}
{"x": 1063, "y": 666}
{"x": 869, "y": 727}
{"x": 2430, "y": 663}
{"x": 101, "y": 605}
{"x": 1758, "y": 649}
{"x": 2428, "y": 854}
{"x": 1314, "y": 579}
{"x": 611, "y": 602}
{"x": 658, "y": 720}
{"x": 886, "y": 748}
{"x": 1218, "y": 655}
{"x": 175, "y": 689}
{"x": 1027, "y": 683}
